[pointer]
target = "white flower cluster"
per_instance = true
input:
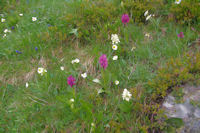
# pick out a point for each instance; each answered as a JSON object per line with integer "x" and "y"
{"x": 126, "y": 95}
{"x": 115, "y": 39}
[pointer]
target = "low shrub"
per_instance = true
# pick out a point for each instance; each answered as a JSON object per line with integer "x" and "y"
{"x": 187, "y": 12}
{"x": 177, "y": 72}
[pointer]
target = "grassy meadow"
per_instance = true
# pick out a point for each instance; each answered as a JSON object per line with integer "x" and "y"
{"x": 67, "y": 38}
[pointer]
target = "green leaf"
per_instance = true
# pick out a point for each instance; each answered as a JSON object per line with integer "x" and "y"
{"x": 175, "y": 122}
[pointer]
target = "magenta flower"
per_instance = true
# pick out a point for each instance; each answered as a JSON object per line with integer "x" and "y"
{"x": 71, "y": 80}
{"x": 181, "y": 35}
{"x": 103, "y": 61}
{"x": 125, "y": 18}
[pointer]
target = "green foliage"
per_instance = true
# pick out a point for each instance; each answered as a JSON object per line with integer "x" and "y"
{"x": 137, "y": 8}
{"x": 187, "y": 12}
{"x": 93, "y": 20}
{"x": 178, "y": 71}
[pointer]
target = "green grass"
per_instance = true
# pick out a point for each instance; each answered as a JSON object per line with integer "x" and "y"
{"x": 45, "y": 105}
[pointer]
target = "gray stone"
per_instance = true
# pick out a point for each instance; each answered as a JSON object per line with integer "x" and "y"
{"x": 189, "y": 113}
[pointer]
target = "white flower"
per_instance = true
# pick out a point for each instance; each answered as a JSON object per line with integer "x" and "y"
{"x": 41, "y": 71}
{"x": 26, "y": 84}
{"x": 21, "y": 14}
{"x": 84, "y": 75}
{"x": 6, "y": 31}
{"x": 100, "y": 91}
{"x": 114, "y": 47}
{"x": 34, "y": 19}
{"x": 116, "y": 82}
{"x": 115, "y": 57}
{"x": 145, "y": 14}
{"x": 115, "y": 39}
{"x": 72, "y": 100}
{"x": 92, "y": 127}
{"x": 75, "y": 61}
{"x": 62, "y": 68}
{"x": 147, "y": 35}
{"x": 92, "y": 124}
{"x": 133, "y": 48}
{"x": 4, "y": 35}
{"x": 148, "y": 17}
{"x": 74, "y": 31}
{"x": 126, "y": 95}
{"x": 96, "y": 80}
{"x": 3, "y": 20}
{"x": 177, "y": 1}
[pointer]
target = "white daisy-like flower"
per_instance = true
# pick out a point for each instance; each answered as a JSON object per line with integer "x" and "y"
{"x": 34, "y": 19}
{"x": 126, "y": 95}
{"x": 21, "y": 14}
{"x": 115, "y": 39}
{"x": 26, "y": 85}
{"x": 145, "y": 14}
{"x": 96, "y": 80}
{"x": 4, "y": 35}
{"x": 148, "y": 17}
{"x": 115, "y": 57}
{"x": 116, "y": 82}
{"x": 62, "y": 68}
{"x": 41, "y": 71}
{"x": 84, "y": 75}
{"x": 177, "y": 1}
{"x": 3, "y": 20}
{"x": 75, "y": 61}
{"x": 114, "y": 47}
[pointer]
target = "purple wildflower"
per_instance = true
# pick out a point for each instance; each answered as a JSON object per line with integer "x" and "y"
{"x": 36, "y": 49}
{"x": 181, "y": 35}
{"x": 103, "y": 61}
{"x": 17, "y": 51}
{"x": 71, "y": 80}
{"x": 13, "y": 27}
{"x": 125, "y": 18}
